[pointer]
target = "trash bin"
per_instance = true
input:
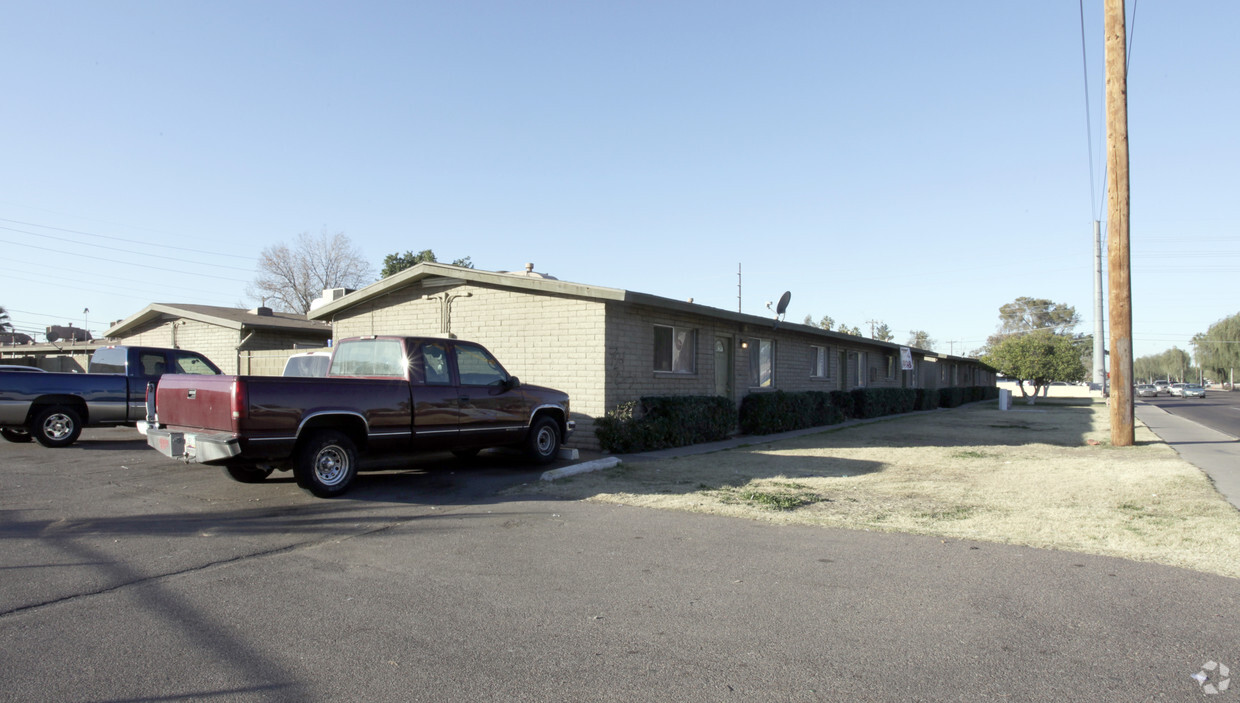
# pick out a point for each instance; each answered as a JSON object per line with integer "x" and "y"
{"x": 1005, "y": 399}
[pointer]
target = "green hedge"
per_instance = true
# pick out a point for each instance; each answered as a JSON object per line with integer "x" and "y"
{"x": 955, "y": 397}
{"x": 660, "y": 422}
{"x": 877, "y": 402}
{"x": 767, "y": 413}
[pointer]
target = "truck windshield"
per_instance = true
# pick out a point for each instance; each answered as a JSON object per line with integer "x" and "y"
{"x": 369, "y": 357}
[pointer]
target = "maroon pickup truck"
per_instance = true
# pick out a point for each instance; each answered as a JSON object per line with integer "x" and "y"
{"x": 380, "y": 395}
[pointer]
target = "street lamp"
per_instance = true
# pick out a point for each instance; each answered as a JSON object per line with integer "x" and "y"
{"x": 86, "y": 323}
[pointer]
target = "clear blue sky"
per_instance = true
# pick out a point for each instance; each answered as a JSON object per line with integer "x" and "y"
{"x": 910, "y": 162}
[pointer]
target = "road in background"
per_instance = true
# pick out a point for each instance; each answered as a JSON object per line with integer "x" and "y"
{"x": 1219, "y": 410}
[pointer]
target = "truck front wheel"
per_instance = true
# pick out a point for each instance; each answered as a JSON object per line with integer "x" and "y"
{"x": 542, "y": 444}
{"x": 56, "y": 426}
{"x": 326, "y": 464}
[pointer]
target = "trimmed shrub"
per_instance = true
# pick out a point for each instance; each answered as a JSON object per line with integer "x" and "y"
{"x": 951, "y": 397}
{"x": 844, "y": 401}
{"x": 877, "y": 402}
{"x": 925, "y": 399}
{"x": 659, "y": 422}
{"x": 767, "y": 413}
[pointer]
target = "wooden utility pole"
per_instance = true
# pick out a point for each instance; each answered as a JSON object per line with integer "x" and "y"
{"x": 1118, "y": 267}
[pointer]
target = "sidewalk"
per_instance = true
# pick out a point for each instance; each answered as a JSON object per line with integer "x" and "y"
{"x": 1213, "y": 452}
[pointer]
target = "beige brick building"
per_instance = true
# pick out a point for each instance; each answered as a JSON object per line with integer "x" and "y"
{"x": 223, "y": 335}
{"x": 606, "y": 346}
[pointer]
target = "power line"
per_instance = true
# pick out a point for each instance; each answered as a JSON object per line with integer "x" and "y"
{"x": 122, "y": 239}
{"x": 123, "y": 251}
{"x": 182, "y": 272}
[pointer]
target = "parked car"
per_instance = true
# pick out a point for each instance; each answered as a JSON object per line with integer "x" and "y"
{"x": 54, "y": 407}
{"x": 381, "y": 395}
{"x": 14, "y": 368}
{"x": 312, "y": 363}
{"x": 1193, "y": 390}
{"x": 1162, "y": 387}
{"x": 1146, "y": 390}
{"x": 1177, "y": 389}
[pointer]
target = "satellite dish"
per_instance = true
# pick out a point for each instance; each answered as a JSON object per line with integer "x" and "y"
{"x": 782, "y": 307}
{"x": 783, "y": 303}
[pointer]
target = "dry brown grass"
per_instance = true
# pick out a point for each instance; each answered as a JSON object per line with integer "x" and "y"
{"x": 1042, "y": 476}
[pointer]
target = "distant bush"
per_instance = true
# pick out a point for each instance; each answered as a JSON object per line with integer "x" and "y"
{"x": 660, "y": 422}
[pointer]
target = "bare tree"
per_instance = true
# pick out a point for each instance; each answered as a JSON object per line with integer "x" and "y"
{"x": 291, "y": 278}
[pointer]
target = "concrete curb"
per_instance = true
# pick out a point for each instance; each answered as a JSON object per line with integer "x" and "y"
{"x": 584, "y": 467}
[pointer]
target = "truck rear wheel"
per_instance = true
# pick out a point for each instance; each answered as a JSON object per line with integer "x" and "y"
{"x": 247, "y": 473}
{"x": 542, "y": 444}
{"x": 56, "y": 426}
{"x": 326, "y": 464}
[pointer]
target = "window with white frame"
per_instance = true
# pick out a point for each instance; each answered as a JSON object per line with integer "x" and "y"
{"x": 675, "y": 349}
{"x": 891, "y": 366}
{"x": 761, "y": 363}
{"x": 819, "y": 362}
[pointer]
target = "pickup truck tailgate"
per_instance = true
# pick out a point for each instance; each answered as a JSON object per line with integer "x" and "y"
{"x": 202, "y": 402}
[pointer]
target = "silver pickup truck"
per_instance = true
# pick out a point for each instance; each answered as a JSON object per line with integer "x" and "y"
{"x": 54, "y": 407}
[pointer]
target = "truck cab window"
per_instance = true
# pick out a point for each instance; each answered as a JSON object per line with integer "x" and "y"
{"x": 478, "y": 368}
{"x": 152, "y": 364}
{"x": 436, "y": 358}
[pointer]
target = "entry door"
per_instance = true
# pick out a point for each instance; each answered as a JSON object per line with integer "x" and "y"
{"x": 724, "y": 367}
{"x": 843, "y": 374}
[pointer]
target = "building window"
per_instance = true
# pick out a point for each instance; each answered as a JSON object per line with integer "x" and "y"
{"x": 819, "y": 366}
{"x": 761, "y": 363}
{"x": 675, "y": 349}
{"x": 891, "y": 366}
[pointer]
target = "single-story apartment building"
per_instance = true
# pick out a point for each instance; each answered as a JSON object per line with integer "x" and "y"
{"x": 226, "y": 336}
{"x": 606, "y": 346}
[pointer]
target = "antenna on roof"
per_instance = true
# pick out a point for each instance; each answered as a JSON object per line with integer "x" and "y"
{"x": 781, "y": 308}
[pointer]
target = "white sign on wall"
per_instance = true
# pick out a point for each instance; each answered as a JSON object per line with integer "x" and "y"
{"x": 906, "y": 358}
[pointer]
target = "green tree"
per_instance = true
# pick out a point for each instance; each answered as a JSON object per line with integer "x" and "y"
{"x": 921, "y": 340}
{"x": 825, "y": 322}
{"x": 1217, "y": 350}
{"x": 1172, "y": 365}
{"x": 845, "y": 329}
{"x": 395, "y": 263}
{"x": 1031, "y": 314}
{"x": 1042, "y": 357}
{"x": 883, "y": 333}
{"x": 6, "y": 324}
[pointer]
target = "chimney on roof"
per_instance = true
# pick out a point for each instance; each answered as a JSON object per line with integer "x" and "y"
{"x": 262, "y": 311}
{"x": 529, "y": 268}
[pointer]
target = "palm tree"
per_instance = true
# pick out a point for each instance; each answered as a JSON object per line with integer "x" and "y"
{"x": 5, "y": 324}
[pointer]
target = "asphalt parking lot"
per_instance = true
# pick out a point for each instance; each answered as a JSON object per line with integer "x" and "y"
{"x": 130, "y": 577}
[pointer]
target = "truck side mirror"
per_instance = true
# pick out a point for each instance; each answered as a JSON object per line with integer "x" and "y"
{"x": 513, "y": 382}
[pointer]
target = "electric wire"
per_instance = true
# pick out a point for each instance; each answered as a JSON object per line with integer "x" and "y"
{"x": 123, "y": 239}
